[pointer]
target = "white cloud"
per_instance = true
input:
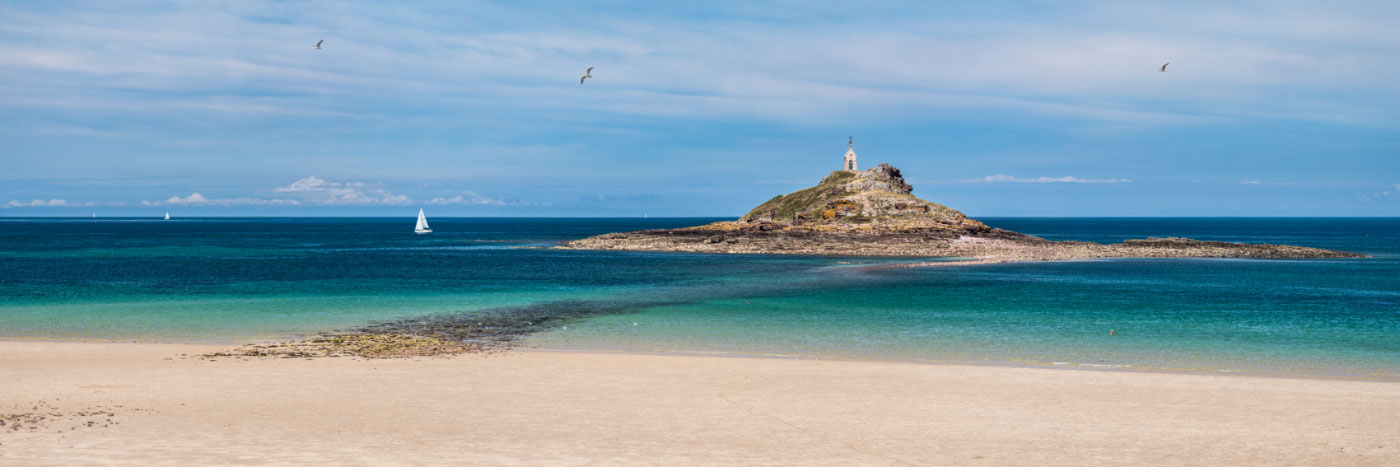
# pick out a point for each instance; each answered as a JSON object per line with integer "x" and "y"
{"x": 1251, "y": 182}
{"x": 196, "y": 199}
{"x": 315, "y": 190}
{"x": 1003, "y": 178}
{"x": 38, "y": 203}
{"x": 193, "y": 198}
{"x": 468, "y": 197}
{"x": 306, "y": 184}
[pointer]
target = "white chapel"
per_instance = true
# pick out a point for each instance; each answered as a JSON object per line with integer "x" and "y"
{"x": 849, "y": 164}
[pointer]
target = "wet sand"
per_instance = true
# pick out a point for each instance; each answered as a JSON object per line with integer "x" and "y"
{"x": 563, "y": 408}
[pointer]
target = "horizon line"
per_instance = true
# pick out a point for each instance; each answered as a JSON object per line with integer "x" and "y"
{"x": 673, "y": 217}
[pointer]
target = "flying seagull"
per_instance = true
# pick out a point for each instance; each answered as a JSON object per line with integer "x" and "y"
{"x": 586, "y": 74}
{"x": 1163, "y": 69}
{"x": 318, "y": 44}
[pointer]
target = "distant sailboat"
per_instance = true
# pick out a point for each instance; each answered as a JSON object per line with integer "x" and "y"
{"x": 167, "y": 216}
{"x": 422, "y": 226}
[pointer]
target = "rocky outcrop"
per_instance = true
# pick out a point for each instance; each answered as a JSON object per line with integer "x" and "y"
{"x": 883, "y": 177}
{"x": 873, "y": 213}
{"x": 872, "y": 200}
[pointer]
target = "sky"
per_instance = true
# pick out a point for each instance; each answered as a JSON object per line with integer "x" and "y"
{"x": 1017, "y": 108}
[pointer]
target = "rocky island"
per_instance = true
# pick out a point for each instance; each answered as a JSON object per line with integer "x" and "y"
{"x": 873, "y": 213}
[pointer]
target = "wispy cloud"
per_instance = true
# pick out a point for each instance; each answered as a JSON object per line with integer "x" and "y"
{"x": 51, "y": 203}
{"x": 309, "y": 191}
{"x": 317, "y": 191}
{"x": 1003, "y": 178}
{"x": 1318, "y": 183}
{"x": 193, "y": 198}
{"x": 469, "y": 198}
{"x": 196, "y": 199}
{"x": 905, "y": 62}
{"x": 1377, "y": 197}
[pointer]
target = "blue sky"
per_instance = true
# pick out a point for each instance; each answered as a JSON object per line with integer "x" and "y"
{"x": 1037, "y": 108}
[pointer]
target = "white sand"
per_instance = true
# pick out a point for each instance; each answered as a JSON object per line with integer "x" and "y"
{"x": 550, "y": 408}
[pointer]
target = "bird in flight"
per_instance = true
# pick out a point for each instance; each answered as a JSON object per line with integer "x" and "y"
{"x": 1163, "y": 69}
{"x": 586, "y": 74}
{"x": 318, "y": 44}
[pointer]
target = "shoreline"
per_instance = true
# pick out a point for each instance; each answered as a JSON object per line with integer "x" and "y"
{"x": 1384, "y": 378}
{"x": 988, "y": 261}
{"x": 222, "y": 351}
{"x": 552, "y": 408}
{"x": 993, "y": 245}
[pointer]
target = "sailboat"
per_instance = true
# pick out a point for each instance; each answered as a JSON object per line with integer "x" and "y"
{"x": 167, "y": 216}
{"x": 422, "y": 226}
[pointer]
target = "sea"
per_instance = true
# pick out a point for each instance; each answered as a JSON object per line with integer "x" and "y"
{"x": 239, "y": 280}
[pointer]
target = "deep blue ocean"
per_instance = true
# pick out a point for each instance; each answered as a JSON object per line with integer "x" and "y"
{"x": 233, "y": 280}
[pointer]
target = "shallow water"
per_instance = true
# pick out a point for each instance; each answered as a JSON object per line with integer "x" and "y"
{"x": 236, "y": 279}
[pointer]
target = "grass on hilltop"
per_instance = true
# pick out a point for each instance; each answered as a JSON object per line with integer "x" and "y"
{"x": 787, "y": 207}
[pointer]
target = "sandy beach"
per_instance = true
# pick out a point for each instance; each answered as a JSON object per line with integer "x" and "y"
{"x": 156, "y": 404}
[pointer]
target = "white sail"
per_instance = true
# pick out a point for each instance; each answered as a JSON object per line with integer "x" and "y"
{"x": 422, "y": 226}
{"x": 167, "y": 216}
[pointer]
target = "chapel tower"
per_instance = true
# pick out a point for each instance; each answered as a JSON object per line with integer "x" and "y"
{"x": 849, "y": 163}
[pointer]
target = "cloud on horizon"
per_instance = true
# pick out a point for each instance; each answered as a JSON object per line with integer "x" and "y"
{"x": 470, "y": 198}
{"x": 316, "y": 191}
{"x": 1003, "y": 178}
{"x": 54, "y": 202}
{"x": 196, "y": 199}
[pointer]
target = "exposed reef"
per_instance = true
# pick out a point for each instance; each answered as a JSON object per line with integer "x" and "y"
{"x": 440, "y": 335}
{"x": 355, "y": 344}
{"x": 873, "y": 213}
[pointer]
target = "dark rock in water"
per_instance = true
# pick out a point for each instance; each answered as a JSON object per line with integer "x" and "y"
{"x": 872, "y": 213}
{"x": 478, "y": 331}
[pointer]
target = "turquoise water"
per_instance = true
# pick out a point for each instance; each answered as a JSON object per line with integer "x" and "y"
{"x": 234, "y": 280}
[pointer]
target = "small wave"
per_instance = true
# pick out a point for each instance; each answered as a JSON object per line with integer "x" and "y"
{"x": 703, "y": 352}
{"x": 784, "y": 355}
{"x": 1086, "y": 365}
